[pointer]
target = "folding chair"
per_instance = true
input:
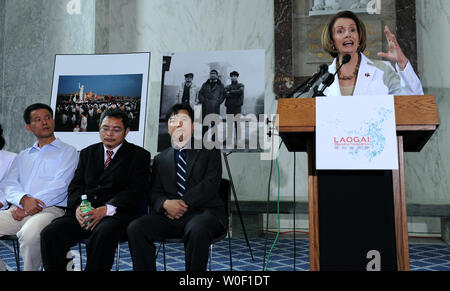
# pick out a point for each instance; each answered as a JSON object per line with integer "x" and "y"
{"x": 16, "y": 247}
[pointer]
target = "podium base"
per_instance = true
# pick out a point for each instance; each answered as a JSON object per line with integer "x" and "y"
{"x": 356, "y": 217}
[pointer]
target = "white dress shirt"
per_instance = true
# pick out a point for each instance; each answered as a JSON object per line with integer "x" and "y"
{"x": 42, "y": 173}
{"x": 110, "y": 210}
{"x": 6, "y": 159}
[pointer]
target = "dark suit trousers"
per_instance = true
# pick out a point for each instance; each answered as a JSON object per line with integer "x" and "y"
{"x": 197, "y": 230}
{"x": 234, "y": 110}
{"x": 64, "y": 232}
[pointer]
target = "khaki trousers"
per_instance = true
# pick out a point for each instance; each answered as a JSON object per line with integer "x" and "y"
{"x": 28, "y": 232}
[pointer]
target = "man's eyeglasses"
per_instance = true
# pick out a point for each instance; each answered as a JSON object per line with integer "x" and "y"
{"x": 176, "y": 119}
{"x": 115, "y": 130}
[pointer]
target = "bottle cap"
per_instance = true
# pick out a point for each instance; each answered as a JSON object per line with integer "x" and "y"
{"x": 83, "y": 197}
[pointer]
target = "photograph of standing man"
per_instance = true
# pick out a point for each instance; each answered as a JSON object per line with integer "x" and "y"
{"x": 184, "y": 196}
{"x": 114, "y": 174}
{"x": 36, "y": 184}
{"x": 212, "y": 94}
{"x": 234, "y": 95}
{"x": 188, "y": 92}
{"x": 234, "y": 99}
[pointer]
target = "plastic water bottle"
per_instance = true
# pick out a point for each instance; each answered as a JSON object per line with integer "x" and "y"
{"x": 85, "y": 207}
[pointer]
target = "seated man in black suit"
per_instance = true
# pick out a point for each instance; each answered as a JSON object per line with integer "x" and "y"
{"x": 114, "y": 175}
{"x": 185, "y": 198}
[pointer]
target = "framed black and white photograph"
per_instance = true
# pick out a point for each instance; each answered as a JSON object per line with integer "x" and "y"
{"x": 228, "y": 84}
{"x": 86, "y": 85}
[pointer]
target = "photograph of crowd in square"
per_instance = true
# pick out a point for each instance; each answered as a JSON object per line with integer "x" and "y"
{"x": 82, "y": 99}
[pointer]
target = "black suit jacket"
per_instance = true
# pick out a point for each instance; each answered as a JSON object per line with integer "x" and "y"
{"x": 203, "y": 177}
{"x": 124, "y": 184}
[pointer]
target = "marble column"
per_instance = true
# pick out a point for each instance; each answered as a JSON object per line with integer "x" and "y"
{"x": 428, "y": 172}
{"x": 102, "y": 24}
{"x": 2, "y": 29}
{"x": 33, "y": 32}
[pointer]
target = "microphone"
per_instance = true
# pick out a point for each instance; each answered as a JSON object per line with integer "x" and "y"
{"x": 330, "y": 78}
{"x": 315, "y": 86}
{"x": 322, "y": 69}
{"x": 327, "y": 83}
{"x": 345, "y": 60}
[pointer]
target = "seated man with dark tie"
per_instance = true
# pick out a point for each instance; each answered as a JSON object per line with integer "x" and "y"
{"x": 185, "y": 198}
{"x": 114, "y": 175}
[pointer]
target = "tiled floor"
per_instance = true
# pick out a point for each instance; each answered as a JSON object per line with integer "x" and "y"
{"x": 424, "y": 257}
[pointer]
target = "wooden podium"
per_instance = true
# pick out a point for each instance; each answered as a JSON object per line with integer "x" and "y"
{"x": 386, "y": 219}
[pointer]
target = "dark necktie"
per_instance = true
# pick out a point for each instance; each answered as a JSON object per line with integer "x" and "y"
{"x": 181, "y": 171}
{"x": 109, "y": 158}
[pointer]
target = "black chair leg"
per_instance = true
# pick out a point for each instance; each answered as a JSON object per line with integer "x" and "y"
{"x": 118, "y": 256}
{"x": 164, "y": 255}
{"x": 229, "y": 249}
{"x": 157, "y": 252}
{"x": 81, "y": 256}
{"x": 17, "y": 254}
{"x": 210, "y": 257}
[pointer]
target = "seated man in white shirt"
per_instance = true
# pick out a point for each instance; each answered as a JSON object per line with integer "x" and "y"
{"x": 6, "y": 159}
{"x": 114, "y": 174}
{"x": 36, "y": 184}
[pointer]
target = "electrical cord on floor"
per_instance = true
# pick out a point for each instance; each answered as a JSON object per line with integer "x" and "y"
{"x": 267, "y": 213}
{"x": 278, "y": 215}
{"x": 295, "y": 248}
{"x": 265, "y": 264}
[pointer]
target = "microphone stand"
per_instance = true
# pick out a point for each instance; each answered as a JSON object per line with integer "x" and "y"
{"x": 327, "y": 83}
{"x": 330, "y": 79}
{"x": 296, "y": 90}
{"x": 310, "y": 81}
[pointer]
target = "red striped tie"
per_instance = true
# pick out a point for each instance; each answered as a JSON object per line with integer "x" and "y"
{"x": 108, "y": 159}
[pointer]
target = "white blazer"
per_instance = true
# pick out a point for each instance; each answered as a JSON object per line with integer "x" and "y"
{"x": 379, "y": 78}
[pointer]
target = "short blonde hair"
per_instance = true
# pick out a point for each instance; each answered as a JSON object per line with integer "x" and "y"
{"x": 327, "y": 33}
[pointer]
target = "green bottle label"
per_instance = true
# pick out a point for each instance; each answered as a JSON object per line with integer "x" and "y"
{"x": 86, "y": 206}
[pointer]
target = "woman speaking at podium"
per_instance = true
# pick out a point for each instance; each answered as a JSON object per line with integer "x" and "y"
{"x": 366, "y": 207}
{"x": 345, "y": 34}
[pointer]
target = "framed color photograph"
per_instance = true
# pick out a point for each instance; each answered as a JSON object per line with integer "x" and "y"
{"x": 86, "y": 85}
